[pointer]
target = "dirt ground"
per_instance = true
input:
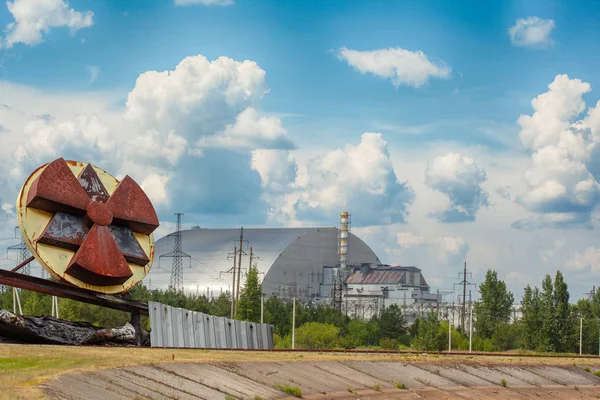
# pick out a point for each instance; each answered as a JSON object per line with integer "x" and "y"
{"x": 58, "y": 372}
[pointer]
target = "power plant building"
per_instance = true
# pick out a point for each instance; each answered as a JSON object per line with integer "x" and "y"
{"x": 322, "y": 265}
{"x": 290, "y": 260}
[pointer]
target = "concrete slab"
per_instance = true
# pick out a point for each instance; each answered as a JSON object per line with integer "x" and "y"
{"x": 493, "y": 375}
{"x": 455, "y": 375}
{"x": 381, "y": 371}
{"x": 565, "y": 375}
{"x": 222, "y": 380}
{"x": 189, "y": 389}
{"x": 360, "y": 380}
{"x": 139, "y": 380}
{"x": 525, "y": 375}
{"x": 74, "y": 387}
{"x": 114, "y": 376}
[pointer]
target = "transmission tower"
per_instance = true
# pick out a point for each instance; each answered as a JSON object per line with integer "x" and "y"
{"x": 464, "y": 284}
{"x": 177, "y": 255}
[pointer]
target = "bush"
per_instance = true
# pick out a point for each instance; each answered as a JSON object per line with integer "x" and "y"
{"x": 313, "y": 336}
{"x": 389, "y": 344}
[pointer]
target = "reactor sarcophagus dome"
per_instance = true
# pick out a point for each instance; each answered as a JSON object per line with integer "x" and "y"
{"x": 86, "y": 227}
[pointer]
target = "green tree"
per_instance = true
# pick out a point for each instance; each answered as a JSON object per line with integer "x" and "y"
{"x": 361, "y": 333}
{"x": 531, "y": 321}
{"x": 248, "y": 307}
{"x": 494, "y": 307}
{"x": 564, "y": 333}
{"x": 429, "y": 336}
{"x": 392, "y": 324}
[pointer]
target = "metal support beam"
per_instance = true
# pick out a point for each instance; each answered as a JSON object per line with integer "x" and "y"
{"x": 53, "y": 288}
{"x": 23, "y": 264}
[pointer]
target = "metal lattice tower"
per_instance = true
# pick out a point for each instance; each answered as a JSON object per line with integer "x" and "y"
{"x": 22, "y": 255}
{"x": 177, "y": 255}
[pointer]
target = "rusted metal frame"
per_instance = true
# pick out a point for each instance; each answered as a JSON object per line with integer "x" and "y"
{"x": 23, "y": 264}
{"x": 53, "y": 288}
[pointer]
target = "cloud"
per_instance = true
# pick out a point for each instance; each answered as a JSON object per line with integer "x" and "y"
{"x": 249, "y": 131}
{"x": 33, "y": 18}
{"x": 561, "y": 188}
{"x": 402, "y": 67}
{"x": 209, "y": 103}
{"x": 408, "y": 239}
{"x": 459, "y": 178}
{"x": 155, "y": 137}
{"x": 360, "y": 179}
{"x": 8, "y": 209}
{"x": 204, "y": 2}
{"x": 451, "y": 250}
{"x": 588, "y": 260}
{"x": 94, "y": 72}
{"x": 277, "y": 169}
{"x": 531, "y": 32}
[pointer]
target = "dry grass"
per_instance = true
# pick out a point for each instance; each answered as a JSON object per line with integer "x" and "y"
{"x": 23, "y": 368}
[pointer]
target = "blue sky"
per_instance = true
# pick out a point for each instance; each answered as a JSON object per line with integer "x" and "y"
{"x": 443, "y": 133}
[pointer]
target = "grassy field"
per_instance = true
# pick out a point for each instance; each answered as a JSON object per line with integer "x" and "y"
{"x": 23, "y": 368}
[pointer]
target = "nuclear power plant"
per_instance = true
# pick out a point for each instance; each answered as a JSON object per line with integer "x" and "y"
{"x": 321, "y": 265}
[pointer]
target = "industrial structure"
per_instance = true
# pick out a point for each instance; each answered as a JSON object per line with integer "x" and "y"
{"x": 320, "y": 265}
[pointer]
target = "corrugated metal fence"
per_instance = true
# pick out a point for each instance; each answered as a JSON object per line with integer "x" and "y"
{"x": 176, "y": 327}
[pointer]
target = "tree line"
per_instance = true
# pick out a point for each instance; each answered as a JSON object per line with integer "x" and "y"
{"x": 548, "y": 323}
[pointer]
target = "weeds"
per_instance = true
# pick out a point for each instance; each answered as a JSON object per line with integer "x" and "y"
{"x": 352, "y": 390}
{"x": 228, "y": 397}
{"x": 377, "y": 387}
{"x": 291, "y": 390}
{"x": 503, "y": 383}
{"x": 257, "y": 397}
{"x": 400, "y": 385}
{"x": 597, "y": 373}
{"x": 587, "y": 369}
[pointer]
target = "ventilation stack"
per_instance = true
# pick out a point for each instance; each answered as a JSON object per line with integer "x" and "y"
{"x": 343, "y": 237}
{"x": 342, "y": 264}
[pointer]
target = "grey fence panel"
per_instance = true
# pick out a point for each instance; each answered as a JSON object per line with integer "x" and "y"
{"x": 238, "y": 334}
{"x": 176, "y": 327}
{"x": 167, "y": 327}
{"x": 254, "y": 332}
{"x": 212, "y": 337}
{"x": 188, "y": 329}
{"x": 244, "y": 335}
{"x": 199, "y": 337}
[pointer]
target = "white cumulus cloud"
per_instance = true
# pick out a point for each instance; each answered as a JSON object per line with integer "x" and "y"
{"x": 360, "y": 179}
{"x": 408, "y": 239}
{"x": 34, "y": 18}
{"x": 402, "y": 67}
{"x": 459, "y": 178}
{"x": 532, "y": 32}
{"x": 561, "y": 188}
{"x": 451, "y": 250}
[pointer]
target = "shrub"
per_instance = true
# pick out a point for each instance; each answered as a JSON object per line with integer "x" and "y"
{"x": 389, "y": 344}
{"x": 503, "y": 383}
{"x": 291, "y": 390}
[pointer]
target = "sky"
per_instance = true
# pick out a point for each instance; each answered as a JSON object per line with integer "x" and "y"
{"x": 451, "y": 131}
